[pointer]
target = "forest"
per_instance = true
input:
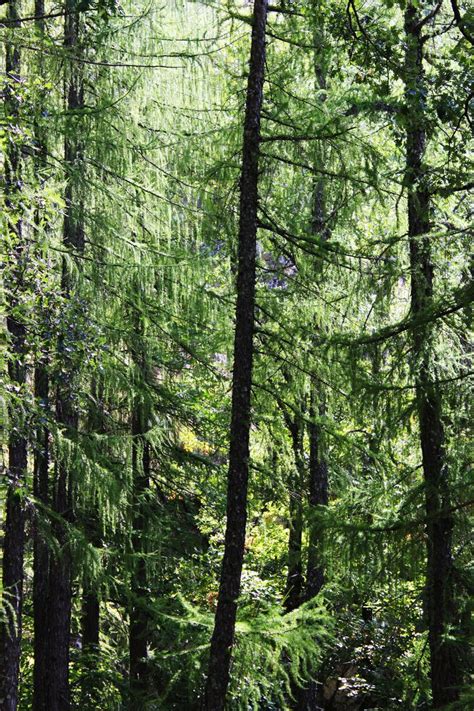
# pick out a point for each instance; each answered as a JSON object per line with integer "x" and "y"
{"x": 237, "y": 296}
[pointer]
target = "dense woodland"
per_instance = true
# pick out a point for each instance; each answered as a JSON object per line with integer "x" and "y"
{"x": 237, "y": 294}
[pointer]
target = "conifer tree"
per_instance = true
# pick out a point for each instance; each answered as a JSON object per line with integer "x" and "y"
{"x": 445, "y": 669}
{"x": 57, "y": 680}
{"x": 347, "y": 492}
{"x": 139, "y": 617}
{"x": 14, "y": 534}
{"x": 224, "y": 626}
{"x": 41, "y": 482}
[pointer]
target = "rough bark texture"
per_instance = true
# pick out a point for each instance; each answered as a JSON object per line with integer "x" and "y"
{"x": 60, "y": 573}
{"x": 90, "y": 621}
{"x": 139, "y": 618}
{"x": 88, "y": 519}
{"x": 90, "y": 522}
{"x": 318, "y": 470}
{"x": 310, "y": 697}
{"x": 40, "y": 548}
{"x": 318, "y": 496}
{"x": 224, "y": 626}
{"x": 41, "y": 453}
{"x": 294, "y": 582}
{"x": 90, "y": 617}
{"x": 445, "y": 673}
{"x": 13, "y": 552}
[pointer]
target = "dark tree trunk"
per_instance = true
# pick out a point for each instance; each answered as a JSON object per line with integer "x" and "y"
{"x": 89, "y": 520}
{"x": 318, "y": 470}
{"x": 60, "y": 583}
{"x": 91, "y": 526}
{"x": 13, "y": 552}
{"x": 41, "y": 455}
{"x": 10, "y": 631}
{"x": 90, "y": 613}
{"x": 224, "y": 626}
{"x": 40, "y": 549}
{"x": 318, "y": 496}
{"x": 90, "y": 621}
{"x": 60, "y": 573}
{"x": 445, "y": 668}
{"x": 139, "y": 629}
{"x": 310, "y": 697}
{"x": 294, "y": 583}
{"x": 139, "y": 616}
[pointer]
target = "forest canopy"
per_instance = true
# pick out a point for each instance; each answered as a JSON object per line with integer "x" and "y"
{"x": 236, "y": 465}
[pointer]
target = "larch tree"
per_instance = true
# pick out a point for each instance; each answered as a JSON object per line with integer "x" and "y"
{"x": 235, "y": 391}
{"x": 445, "y": 671}
{"x": 14, "y": 535}
{"x": 224, "y": 626}
{"x": 57, "y": 680}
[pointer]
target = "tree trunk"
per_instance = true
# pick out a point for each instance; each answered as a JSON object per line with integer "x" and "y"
{"x": 294, "y": 583}
{"x": 89, "y": 521}
{"x": 90, "y": 617}
{"x": 60, "y": 574}
{"x": 40, "y": 548}
{"x": 90, "y": 518}
{"x": 318, "y": 470}
{"x": 318, "y": 496}
{"x": 139, "y": 617}
{"x": 90, "y": 621}
{"x": 224, "y": 626}
{"x": 445, "y": 672}
{"x": 41, "y": 456}
{"x": 310, "y": 697}
{"x": 13, "y": 553}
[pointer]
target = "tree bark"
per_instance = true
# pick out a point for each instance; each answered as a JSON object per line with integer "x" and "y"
{"x": 140, "y": 625}
{"x": 40, "y": 547}
{"x": 90, "y": 621}
{"x": 88, "y": 518}
{"x": 318, "y": 469}
{"x": 444, "y": 667}
{"x": 13, "y": 554}
{"x": 318, "y": 496}
{"x": 310, "y": 697}
{"x": 295, "y": 581}
{"x": 60, "y": 573}
{"x": 41, "y": 453}
{"x": 139, "y": 617}
{"x": 224, "y": 626}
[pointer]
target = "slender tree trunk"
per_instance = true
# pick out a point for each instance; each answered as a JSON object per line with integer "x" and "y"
{"x": 310, "y": 698}
{"x": 13, "y": 553}
{"x": 40, "y": 548}
{"x": 140, "y": 624}
{"x": 224, "y": 626}
{"x": 139, "y": 616}
{"x": 90, "y": 618}
{"x": 90, "y": 630}
{"x": 60, "y": 574}
{"x": 318, "y": 496}
{"x": 90, "y": 622}
{"x": 89, "y": 520}
{"x": 445, "y": 670}
{"x": 294, "y": 583}
{"x": 318, "y": 469}
{"x": 41, "y": 456}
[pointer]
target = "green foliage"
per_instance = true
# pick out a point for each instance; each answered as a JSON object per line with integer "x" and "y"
{"x": 148, "y": 327}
